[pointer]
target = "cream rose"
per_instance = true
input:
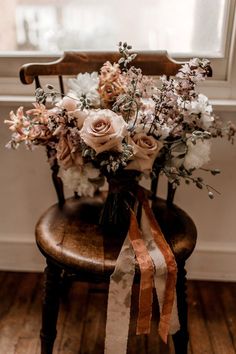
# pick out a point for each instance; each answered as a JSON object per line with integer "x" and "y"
{"x": 145, "y": 149}
{"x": 104, "y": 130}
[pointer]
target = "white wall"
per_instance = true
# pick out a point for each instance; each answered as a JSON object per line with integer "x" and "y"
{"x": 26, "y": 190}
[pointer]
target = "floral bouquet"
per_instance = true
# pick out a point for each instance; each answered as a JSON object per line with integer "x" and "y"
{"x": 120, "y": 119}
{"x": 118, "y": 125}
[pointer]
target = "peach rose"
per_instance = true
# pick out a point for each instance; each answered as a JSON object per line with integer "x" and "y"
{"x": 104, "y": 130}
{"x": 111, "y": 83}
{"x": 39, "y": 132}
{"x": 109, "y": 72}
{"x": 66, "y": 155}
{"x": 109, "y": 91}
{"x": 145, "y": 149}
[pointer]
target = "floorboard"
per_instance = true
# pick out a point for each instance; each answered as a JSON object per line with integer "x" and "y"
{"x": 197, "y": 323}
{"x": 81, "y": 322}
{"x": 216, "y": 322}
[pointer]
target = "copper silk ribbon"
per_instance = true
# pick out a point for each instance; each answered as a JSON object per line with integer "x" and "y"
{"x": 170, "y": 287}
{"x": 147, "y": 245}
{"x": 146, "y": 280}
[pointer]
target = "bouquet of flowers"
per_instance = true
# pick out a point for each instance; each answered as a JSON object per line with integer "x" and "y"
{"x": 120, "y": 119}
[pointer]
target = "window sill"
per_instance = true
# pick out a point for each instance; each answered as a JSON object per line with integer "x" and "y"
{"x": 220, "y": 105}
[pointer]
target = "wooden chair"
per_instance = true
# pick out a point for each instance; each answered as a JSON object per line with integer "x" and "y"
{"x": 68, "y": 234}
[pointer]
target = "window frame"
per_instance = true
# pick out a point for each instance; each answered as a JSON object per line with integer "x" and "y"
{"x": 221, "y": 87}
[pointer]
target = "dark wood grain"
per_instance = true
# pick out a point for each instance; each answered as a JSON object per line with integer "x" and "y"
{"x": 197, "y": 322}
{"x": 71, "y": 337}
{"x": 17, "y": 313}
{"x": 71, "y": 236}
{"x": 181, "y": 337}
{"x": 6, "y": 298}
{"x": 28, "y": 342}
{"x": 211, "y": 318}
{"x": 94, "y": 324}
{"x": 215, "y": 319}
{"x": 228, "y": 298}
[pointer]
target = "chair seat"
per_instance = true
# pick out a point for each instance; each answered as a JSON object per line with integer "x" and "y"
{"x": 71, "y": 236}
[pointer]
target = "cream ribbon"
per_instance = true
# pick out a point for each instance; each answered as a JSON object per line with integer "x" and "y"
{"x": 119, "y": 301}
{"x": 121, "y": 281}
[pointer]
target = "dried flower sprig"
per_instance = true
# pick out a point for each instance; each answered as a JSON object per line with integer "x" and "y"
{"x": 126, "y": 56}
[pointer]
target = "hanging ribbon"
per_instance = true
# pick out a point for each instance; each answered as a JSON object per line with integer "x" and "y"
{"x": 166, "y": 273}
{"x": 119, "y": 301}
{"x": 158, "y": 269}
{"x": 146, "y": 279}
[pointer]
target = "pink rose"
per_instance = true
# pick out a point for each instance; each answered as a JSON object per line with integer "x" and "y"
{"x": 104, "y": 130}
{"x": 145, "y": 149}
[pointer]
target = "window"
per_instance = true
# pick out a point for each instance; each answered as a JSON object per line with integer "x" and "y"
{"x": 177, "y": 26}
{"x": 185, "y": 28}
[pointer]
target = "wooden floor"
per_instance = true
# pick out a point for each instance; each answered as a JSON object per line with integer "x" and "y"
{"x": 212, "y": 319}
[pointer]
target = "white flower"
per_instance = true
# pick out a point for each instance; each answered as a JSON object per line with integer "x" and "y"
{"x": 86, "y": 85}
{"x": 80, "y": 179}
{"x": 147, "y": 104}
{"x": 197, "y": 154}
{"x": 164, "y": 131}
{"x": 201, "y": 106}
{"x": 194, "y": 62}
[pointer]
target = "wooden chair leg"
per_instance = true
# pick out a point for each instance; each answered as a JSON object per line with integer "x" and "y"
{"x": 66, "y": 285}
{"x": 181, "y": 338}
{"x": 50, "y": 309}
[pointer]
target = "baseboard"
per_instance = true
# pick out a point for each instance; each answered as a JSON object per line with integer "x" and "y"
{"x": 213, "y": 261}
{"x": 20, "y": 256}
{"x": 210, "y": 261}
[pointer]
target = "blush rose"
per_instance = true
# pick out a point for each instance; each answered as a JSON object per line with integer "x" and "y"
{"x": 145, "y": 150}
{"x": 104, "y": 130}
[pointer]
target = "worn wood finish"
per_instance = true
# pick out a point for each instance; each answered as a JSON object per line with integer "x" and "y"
{"x": 181, "y": 337}
{"x": 151, "y": 63}
{"x": 18, "y": 300}
{"x": 214, "y": 317}
{"x": 70, "y": 235}
{"x": 81, "y": 322}
{"x": 51, "y": 300}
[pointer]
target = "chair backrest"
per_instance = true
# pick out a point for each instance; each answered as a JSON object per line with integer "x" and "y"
{"x": 154, "y": 63}
{"x": 72, "y": 63}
